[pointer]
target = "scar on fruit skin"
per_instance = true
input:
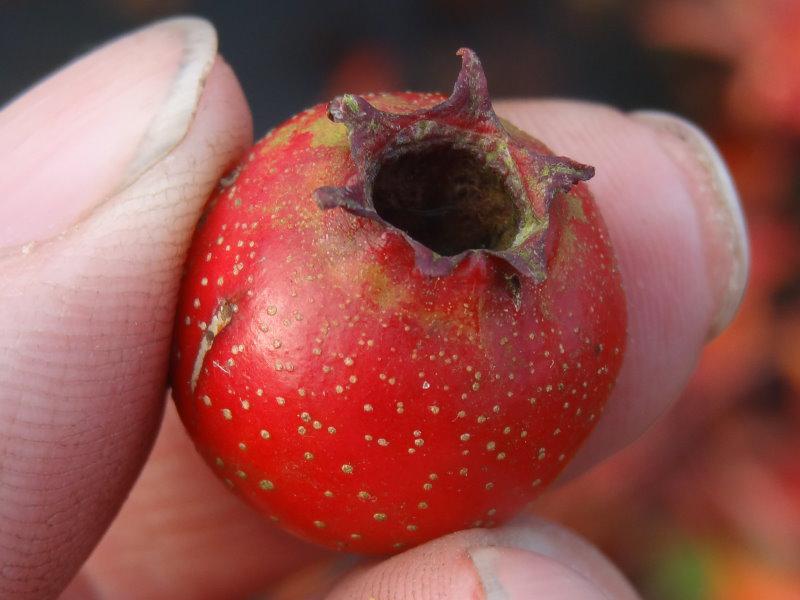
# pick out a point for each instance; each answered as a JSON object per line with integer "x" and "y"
{"x": 219, "y": 320}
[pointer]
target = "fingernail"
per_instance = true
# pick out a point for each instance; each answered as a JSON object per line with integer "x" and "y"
{"x": 718, "y": 206}
{"x": 95, "y": 126}
{"x": 514, "y": 574}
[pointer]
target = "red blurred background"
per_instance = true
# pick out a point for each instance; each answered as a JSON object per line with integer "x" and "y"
{"x": 706, "y": 506}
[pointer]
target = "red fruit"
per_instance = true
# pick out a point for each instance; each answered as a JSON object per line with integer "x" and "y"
{"x": 394, "y": 325}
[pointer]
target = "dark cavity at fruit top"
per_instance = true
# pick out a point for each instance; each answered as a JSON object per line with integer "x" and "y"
{"x": 451, "y": 179}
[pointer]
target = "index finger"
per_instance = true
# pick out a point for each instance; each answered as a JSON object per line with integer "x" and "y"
{"x": 676, "y": 225}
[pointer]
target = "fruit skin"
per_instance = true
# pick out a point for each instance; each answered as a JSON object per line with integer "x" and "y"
{"x": 342, "y": 389}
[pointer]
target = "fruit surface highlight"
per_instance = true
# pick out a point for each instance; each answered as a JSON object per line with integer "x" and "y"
{"x": 400, "y": 317}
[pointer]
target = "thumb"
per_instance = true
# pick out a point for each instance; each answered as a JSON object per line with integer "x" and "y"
{"x": 530, "y": 559}
{"x": 106, "y": 167}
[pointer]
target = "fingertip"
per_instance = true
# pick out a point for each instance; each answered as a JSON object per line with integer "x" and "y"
{"x": 88, "y": 293}
{"x": 534, "y": 559}
{"x": 514, "y": 574}
{"x": 679, "y": 246}
{"x": 718, "y": 206}
{"x": 97, "y": 124}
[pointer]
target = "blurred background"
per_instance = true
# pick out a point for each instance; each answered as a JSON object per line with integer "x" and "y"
{"x": 706, "y": 506}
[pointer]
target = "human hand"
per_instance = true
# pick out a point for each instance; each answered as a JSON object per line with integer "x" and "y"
{"x": 106, "y": 168}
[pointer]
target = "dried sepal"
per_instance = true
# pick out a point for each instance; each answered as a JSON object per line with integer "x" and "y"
{"x": 464, "y": 121}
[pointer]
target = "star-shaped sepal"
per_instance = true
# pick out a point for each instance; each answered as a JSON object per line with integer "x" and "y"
{"x": 464, "y": 121}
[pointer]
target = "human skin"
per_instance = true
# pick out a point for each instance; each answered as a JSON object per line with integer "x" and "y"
{"x": 106, "y": 168}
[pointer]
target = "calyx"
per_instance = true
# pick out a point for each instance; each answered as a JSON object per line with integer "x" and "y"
{"x": 465, "y": 121}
